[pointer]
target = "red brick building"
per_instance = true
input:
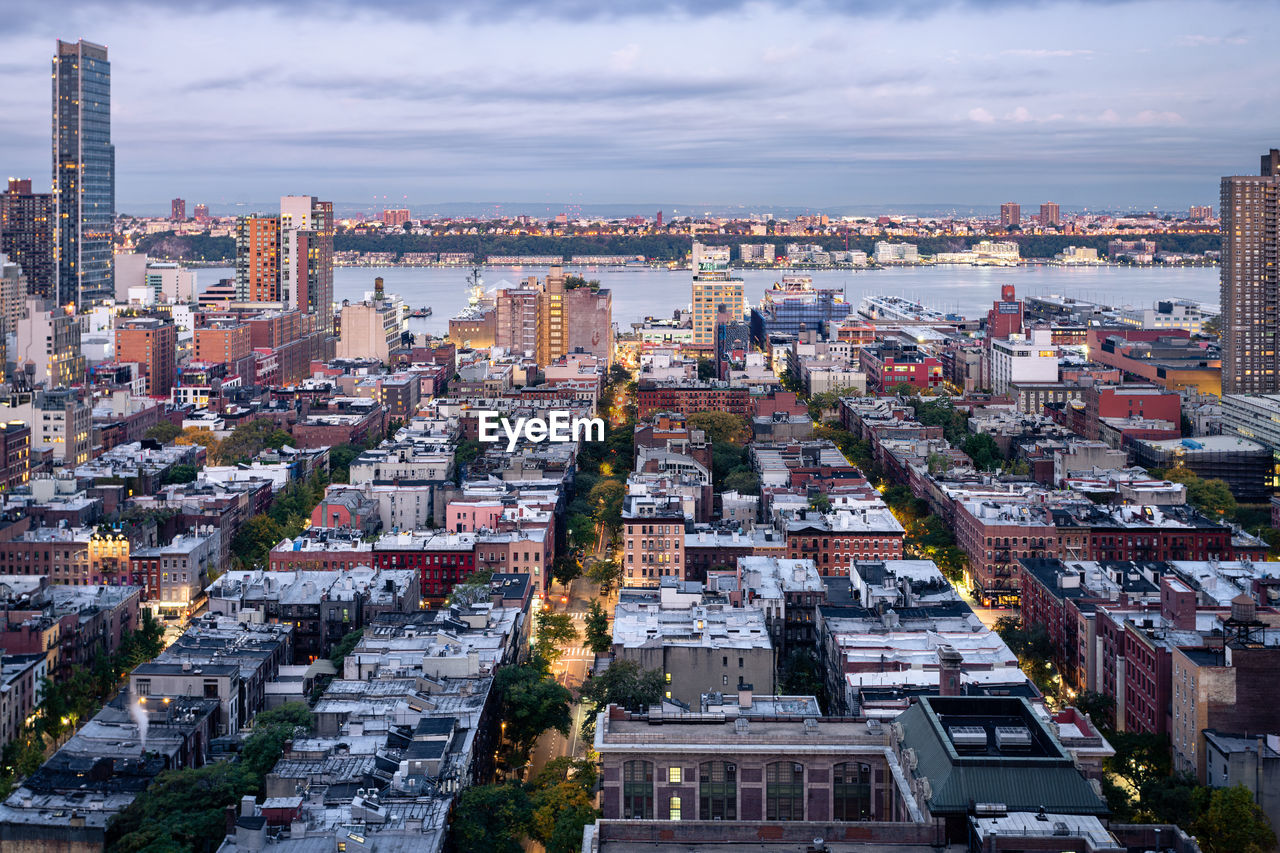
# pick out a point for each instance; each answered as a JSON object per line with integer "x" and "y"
{"x": 1128, "y": 401}
{"x": 442, "y": 560}
{"x": 690, "y": 397}
{"x": 887, "y": 366}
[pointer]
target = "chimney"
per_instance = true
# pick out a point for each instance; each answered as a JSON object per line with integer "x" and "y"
{"x": 247, "y": 806}
{"x": 744, "y": 697}
{"x": 949, "y": 663}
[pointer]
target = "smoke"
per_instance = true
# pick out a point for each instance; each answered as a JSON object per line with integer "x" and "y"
{"x": 139, "y": 713}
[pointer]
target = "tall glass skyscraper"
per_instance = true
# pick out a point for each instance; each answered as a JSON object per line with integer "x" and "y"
{"x": 84, "y": 174}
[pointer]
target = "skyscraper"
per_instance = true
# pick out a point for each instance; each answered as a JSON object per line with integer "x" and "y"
{"x": 288, "y": 259}
{"x": 1010, "y": 214}
{"x": 202, "y": 213}
{"x": 26, "y": 233}
{"x": 314, "y": 220}
{"x": 84, "y": 167}
{"x": 714, "y": 292}
{"x": 1050, "y": 214}
{"x": 1250, "y": 213}
{"x": 178, "y": 210}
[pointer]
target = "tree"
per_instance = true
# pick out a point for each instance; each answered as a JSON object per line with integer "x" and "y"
{"x": 584, "y": 531}
{"x": 295, "y": 714}
{"x": 605, "y": 501}
{"x": 623, "y": 684}
{"x": 984, "y": 451}
{"x": 820, "y": 503}
{"x": 344, "y": 647}
{"x": 340, "y": 462}
{"x": 742, "y": 481}
{"x": 904, "y": 389}
{"x": 464, "y": 454}
{"x": 492, "y": 817}
{"x": 599, "y": 640}
{"x": 1140, "y": 758}
{"x": 554, "y": 630}
{"x": 205, "y": 439}
{"x": 801, "y": 675}
{"x": 255, "y": 539}
{"x": 1212, "y": 497}
{"x": 1097, "y": 706}
{"x": 179, "y": 474}
{"x": 1233, "y": 823}
{"x": 474, "y": 588}
{"x": 180, "y": 810}
{"x": 559, "y": 814}
{"x": 530, "y": 702}
{"x": 706, "y": 369}
{"x": 164, "y": 432}
{"x": 606, "y": 573}
{"x": 722, "y": 427}
{"x": 565, "y": 569}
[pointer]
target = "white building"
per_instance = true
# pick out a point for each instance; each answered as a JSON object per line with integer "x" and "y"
{"x": 1024, "y": 359}
{"x": 897, "y": 253}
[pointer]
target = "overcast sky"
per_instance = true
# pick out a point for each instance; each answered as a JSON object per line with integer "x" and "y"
{"x": 824, "y": 104}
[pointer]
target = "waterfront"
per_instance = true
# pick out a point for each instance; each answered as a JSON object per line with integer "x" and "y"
{"x": 638, "y": 293}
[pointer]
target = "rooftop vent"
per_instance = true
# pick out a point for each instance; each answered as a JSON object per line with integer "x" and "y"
{"x": 1013, "y": 738}
{"x": 968, "y": 738}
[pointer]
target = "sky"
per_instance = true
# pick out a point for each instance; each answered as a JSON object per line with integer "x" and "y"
{"x": 837, "y": 105}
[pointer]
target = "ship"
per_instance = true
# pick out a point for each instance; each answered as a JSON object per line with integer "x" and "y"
{"x": 895, "y": 309}
{"x": 421, "y": 312}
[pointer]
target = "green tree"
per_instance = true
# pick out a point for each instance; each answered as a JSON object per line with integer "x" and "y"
{"x": 180, "y": 809}
{"x": 559, "y": 813}
{"x": 554, "y": 630}
{"x": 255, "y": 539}
{"x": 605, "y": 501}
{"x": 742, "y": 481}
{"x": 623, "y": 684}
{"x": 706, "y": 369}
{"x": 984, "y": 451}
{"x": 295, "y": 714}
{"x": 179, "y": 474}
{"x": 584, "y": 531}
{"x": 598, "y": 638}
{"x": 800, "y": 674}
{"x": 340, "y": 462}
{"x": 606, "y": 573}
{"x": 492, "y": 818}
{"x": 1140, "y": 758}
{"x": 1212, "y": 497}
{"x": 344, "y": 647}
{"x": 820, "y": 503}
{"x": 565, "y": 569}
{"x": 464, "y": 454}
{"x": 530, "y": 702}
{"x": 1233, "y": 823}
{"x": 722, "y": 427}
{"x": 164, "y": 432}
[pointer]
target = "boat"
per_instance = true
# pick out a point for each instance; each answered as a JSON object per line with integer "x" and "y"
{"x": 421, "y": 312}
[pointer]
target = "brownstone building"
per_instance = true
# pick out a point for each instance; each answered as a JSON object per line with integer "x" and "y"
{"x": 151, "y": 343}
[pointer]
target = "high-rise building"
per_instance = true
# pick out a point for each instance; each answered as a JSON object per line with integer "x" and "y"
{"x": 84, "y": 167}
{"x": 1010, "y": 215}
{"x": 714, "y": 292}
{"x": 1050, "y": 214}
{"x": 288, "y": 259}
{"x": 26, "y": 233}
{"x": 553, "y": 338}
{"x": 1201, "y": 212}
{"x": 48, "y": 345}
{"x": 518, "y": 328}
{"x": 178, "y": 210}
{"x": 395, "y": 217}
{"x": 151, "y": 343}
{"x": 590, "y": 324}
{"x": 1250, "y": 297}
{"x": 13, "y": 295}
{"x": 313, "y": 219}
{"x": 202, "y": 213}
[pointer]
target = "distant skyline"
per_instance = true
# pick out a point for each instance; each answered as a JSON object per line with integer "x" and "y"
{"x": 841, "y": 105}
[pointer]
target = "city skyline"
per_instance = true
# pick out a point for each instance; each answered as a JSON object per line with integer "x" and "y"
{"x": 833, "y": 105}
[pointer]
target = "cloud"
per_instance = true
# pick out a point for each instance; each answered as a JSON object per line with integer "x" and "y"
{"x": 981, "y": 115}
{"x": 1211, "y": 41}
{"x": 1041, "y": 53}
{"x": 624, "y": 58}
{"x": 1019, "y": 115}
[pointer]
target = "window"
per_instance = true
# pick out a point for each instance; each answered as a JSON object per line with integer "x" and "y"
{"x": 851, "y": 791}
{"x": 637, "y": 790}
{"x": 673, "y": 808}
{"x": 142, "y": 686}
{"x": 718, "y": 791}
{"x": 675, "y": 775}
{"x": 784, "y": 791}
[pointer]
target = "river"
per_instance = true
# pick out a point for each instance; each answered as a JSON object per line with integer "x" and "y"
{"x": 638, "y": 293}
